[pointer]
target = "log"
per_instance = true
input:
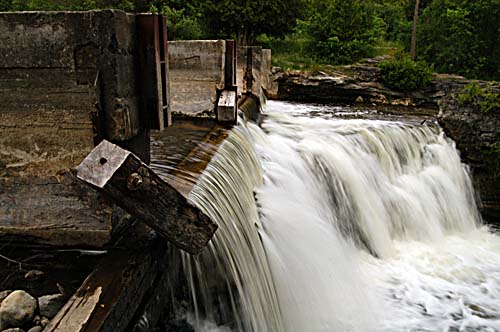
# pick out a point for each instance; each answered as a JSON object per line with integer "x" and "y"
{"x": 131, "y": 184}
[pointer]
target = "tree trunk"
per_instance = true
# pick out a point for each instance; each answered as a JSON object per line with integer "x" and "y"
{"x": 413, "y": 49}
{"x": 245, "y": 38}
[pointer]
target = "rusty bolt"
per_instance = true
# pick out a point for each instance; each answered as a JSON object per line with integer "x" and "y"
{"x": 134, "y": 181}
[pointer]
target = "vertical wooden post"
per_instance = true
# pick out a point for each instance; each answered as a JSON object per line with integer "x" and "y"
{"x": 153, "y": 70}
{"x": 165, "y": 79}
{"x": 226, "y": 108}
{"x": 248, "y": 80}
{"x": 230, "y": 65}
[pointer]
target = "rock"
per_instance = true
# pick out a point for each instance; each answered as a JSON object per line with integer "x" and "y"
{"x": 36, "y": 329}
{"x": 34, "y": 275}
{"x": 45, "y": 321}
{"x": 360, "y": 100}
{"x": 476, "y": 133}
{"x": 17, "y": 309}
{"x": 15, "y": 329}
{"x": 4, "y": 294}
{"x": 50, "y": 304}
{"x": 37, "y": 320}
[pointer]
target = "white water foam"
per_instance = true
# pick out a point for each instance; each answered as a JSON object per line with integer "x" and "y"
{"x": 334, "y": 188}
{"x": 366, "y": 225}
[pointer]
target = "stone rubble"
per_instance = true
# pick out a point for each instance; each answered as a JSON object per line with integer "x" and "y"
{"x": 21, "y": 312}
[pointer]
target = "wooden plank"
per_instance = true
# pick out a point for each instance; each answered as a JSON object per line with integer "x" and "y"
{"x": 180, "y": 153}
{"x": 131, "y": 184}
{"x": 111, "y": 294}
{"x": 226, "y": 107}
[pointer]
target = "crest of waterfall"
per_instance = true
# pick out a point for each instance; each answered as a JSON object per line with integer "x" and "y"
{"x": 235, "y": 257}
{"x": 375, "y": 180}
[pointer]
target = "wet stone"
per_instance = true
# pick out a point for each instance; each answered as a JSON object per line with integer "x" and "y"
{"x": 17, "y": 309}
{"x": 4, "y": 294}
{"x": 45, "y": 321}
{"x": 36, "y": 329}
{"x": 50, "y": 304}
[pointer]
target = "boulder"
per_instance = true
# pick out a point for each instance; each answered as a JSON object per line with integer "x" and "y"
{"x": 17, "y": 309}
{"x": 4, "y": 294}
{"x": 50, "y": 304}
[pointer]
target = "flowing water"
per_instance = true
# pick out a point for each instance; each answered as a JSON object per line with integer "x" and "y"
{"x": 333, "y": 224}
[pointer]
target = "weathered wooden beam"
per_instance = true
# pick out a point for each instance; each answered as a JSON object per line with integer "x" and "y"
{"x": 226, "y": 107}
{"x": 230, "y": 65}
{"x": 109, "y": 297}
{"x": 153, "y": 57}
{"x": 131, "y": 184}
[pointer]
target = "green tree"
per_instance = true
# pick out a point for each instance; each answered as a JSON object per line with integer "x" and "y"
{"x": 392, "y": 13}
{"x": 340, "y": 31}
{"x": 246, "y": 20}
{"x": 184, "y": 18}
{"x": 463, "y": 37}
{"x": 48, "y": 5}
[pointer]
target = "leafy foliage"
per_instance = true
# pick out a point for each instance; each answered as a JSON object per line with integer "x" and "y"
{"x": 454, "y": 36}
{"x": 340, "y": 31}
{"x": 402, "y": 73}
{"x": 477, "y": 96}
{"x": 184, "y": 19}
{"x": 462, "y": 37}
{"x": 21, "y": 5}
{"x": 248, "y": 19}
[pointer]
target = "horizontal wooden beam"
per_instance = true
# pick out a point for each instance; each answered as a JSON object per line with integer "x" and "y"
{"x": 131, "y": 184}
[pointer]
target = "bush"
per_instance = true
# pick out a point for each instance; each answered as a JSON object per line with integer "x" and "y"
{"x": 479, "y": 97}
{"x": 404, "y": 74}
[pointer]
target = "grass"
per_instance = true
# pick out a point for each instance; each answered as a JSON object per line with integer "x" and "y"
{"x": 290, "y": 54}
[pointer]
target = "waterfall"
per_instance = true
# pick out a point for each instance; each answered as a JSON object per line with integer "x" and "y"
{"x": 331, "y": 225}
{"x": 236, "y": 255}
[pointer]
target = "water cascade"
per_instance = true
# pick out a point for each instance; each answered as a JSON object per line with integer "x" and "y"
{"x": 359, "y": 225}
{"x": 236, "y": 255}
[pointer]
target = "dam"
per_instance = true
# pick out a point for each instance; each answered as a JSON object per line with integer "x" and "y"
{"x": 328, "y": 218}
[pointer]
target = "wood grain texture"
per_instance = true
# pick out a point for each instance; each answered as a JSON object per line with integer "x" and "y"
{"x": 137, "y": 189}
{"x": 111, "y": 294}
